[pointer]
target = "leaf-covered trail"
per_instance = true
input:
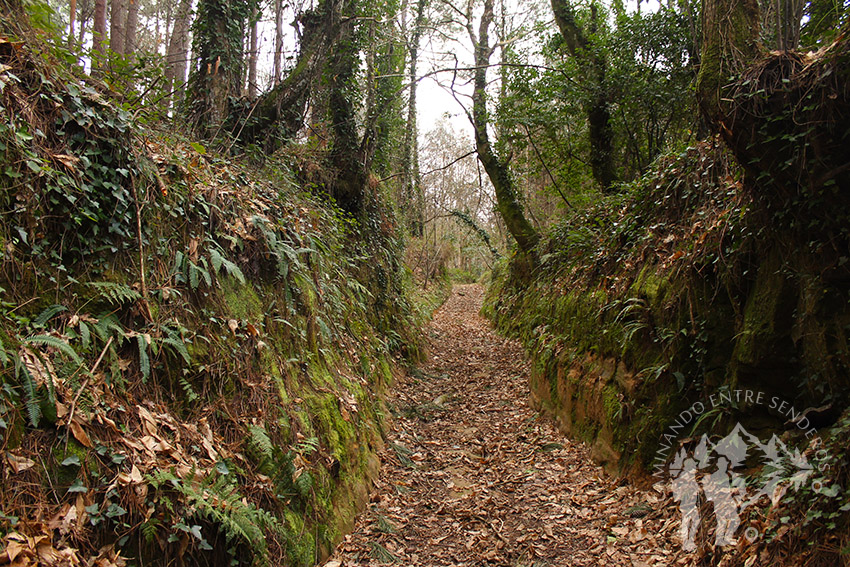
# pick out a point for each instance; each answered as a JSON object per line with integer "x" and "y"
{"x": 472, "y": 475}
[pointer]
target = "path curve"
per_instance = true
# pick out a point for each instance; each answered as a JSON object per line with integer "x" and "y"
{"x": 472, "y": 475}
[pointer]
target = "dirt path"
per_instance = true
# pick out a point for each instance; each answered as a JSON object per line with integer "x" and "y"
{"x": 473, "y": 476}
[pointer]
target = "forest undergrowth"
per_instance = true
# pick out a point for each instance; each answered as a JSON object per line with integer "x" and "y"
{"x": 193, "y": 346}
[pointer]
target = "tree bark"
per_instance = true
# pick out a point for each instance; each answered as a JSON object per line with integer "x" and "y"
{"x": 131, "y": 27}
{"x": 99, "y": 32}
{"x": 117, "y": 19}
{"x": 252, "y": 55}
{"x": 72, "y": 20}
{"x": 730, "y": 42}
{"x": 219, "y": 38}
{"x": 277, "y": 69}
{"x": 411, "y": 183}
{"x": 348, "y": 165}
{"x": 177, "y": 53}
{"x": 497, "y": 170}
{"x": 600, "y": 131}
{"x": 279, "y": 113}
{"x": 784, "y": 115}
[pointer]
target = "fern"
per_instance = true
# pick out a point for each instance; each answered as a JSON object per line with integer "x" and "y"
{"x": 176, "y": 344}
{"x": 304, "y": 484}
{"x": 307, "y": 446}
{"x": 261, "y": 445}
{"x": 218, "y": 262}
{"x": 149, "y": 529}
{"x": 116, "y": 294}
{"x": 218, "y": 500}
{"x": 4, "y": 357}
{"x": 48, "y": 314}
{"x": 85, "y": 334}
{"x": 58, "y": 344}
{"x": 144, "y": 360}
{"x": 188, "y": 390}
{"x": 31, "y": 399}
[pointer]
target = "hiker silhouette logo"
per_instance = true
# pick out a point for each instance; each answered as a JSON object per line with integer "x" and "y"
{"x": 730, "y": 474}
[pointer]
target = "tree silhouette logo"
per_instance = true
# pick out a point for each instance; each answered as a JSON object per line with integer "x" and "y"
{"x": 713, "y": 472}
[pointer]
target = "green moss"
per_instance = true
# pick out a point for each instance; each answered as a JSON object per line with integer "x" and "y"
{"x": 241, "y": 301}
{"x": 65, "y": 475}
{"x": 767, "y": 314}
{"x": 300, "y": 542}
{"x": 611, "y": 401}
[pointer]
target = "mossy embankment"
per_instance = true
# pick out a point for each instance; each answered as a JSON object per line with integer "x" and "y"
{"x": 193, "y": 347}
{"x": 680, "y": 288}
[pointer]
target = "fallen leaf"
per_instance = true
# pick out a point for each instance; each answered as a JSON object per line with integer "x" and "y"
{"x": 18, "y": 463}
{"x": 80, "y": 434}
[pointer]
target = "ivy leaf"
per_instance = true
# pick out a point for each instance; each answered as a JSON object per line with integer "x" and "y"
{"x": 77, "y": 486}
{"x": 72, "y": 461}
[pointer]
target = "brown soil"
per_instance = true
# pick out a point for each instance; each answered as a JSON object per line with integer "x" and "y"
{"x": 472, "y": 475}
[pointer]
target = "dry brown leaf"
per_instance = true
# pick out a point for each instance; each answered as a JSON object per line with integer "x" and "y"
{"x": 19, "y": 463}
{"x": 149, "y": 423}
{"x": 80, "y": 433}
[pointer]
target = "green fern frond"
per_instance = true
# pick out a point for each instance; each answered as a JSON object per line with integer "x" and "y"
{"x": 116, "y": 294}
{"x": 219, "y": 261}
{"x": 260, "y": 442}
{"x": 85, "y": 334}
{"x": 48, "y": 314}
{"x": 177, "y": 347}
{"x": 149, "y": 529}
{"x": 188, "y": 390}
{"x": 4, "y": 357}
{"x": 58, "y": 344}
{"x": 33, "y": 408}
{"x": 144, "y": 360}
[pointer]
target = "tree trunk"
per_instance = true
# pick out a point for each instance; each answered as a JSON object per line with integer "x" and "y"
{"x": 99, "y": 33}
{"x": 277, "y": 69}
{"x": 177, "y": 52}
{"x": 785, "y": 117}
{"x": 279, "y": 113}
{"x": 497, "y": 170}
{"x": 72, "y": 20}
{"x": 131, "y": 27}
{"x": 348, "y": 165}
{"x": 219, "y": 37}
{"x": 252, "y": 54}
{"x": 600, "y": 131}
{"x": 411, "y": 184}
{"x": 730, "y": 43}
{"x": 117, "y": 19}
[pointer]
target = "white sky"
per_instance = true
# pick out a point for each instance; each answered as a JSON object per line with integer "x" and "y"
{"x": 434, "y": 101}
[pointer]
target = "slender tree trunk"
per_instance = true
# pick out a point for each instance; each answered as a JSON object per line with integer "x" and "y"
{"x": 370, "y": 69}
{"x": 131, "y": 27}
{"x": 99, "y": 33}
{"x": 497, "y": 170}
{"x": 252, "y": 54}
{"x": 277, "y": 69}
{"x": 72, "y": 20}
{"x": 600, "y": 130}
{"x": 411, "y": 184}
{"x": 117, "y": 19}
{"x": 82, "y": 19}
{"x": 177, "y": 52}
